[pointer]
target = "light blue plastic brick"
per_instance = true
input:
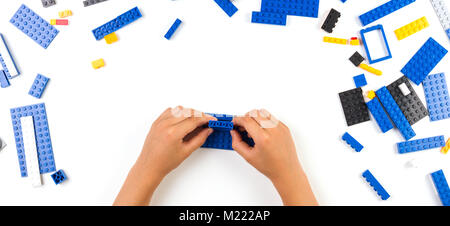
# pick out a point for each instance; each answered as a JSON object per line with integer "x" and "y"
{"x": 436, "y": 94}
{"x": 395, "y": 113}
{"x": 423, "y": 62}
{"x": 5, "y": 69}
{"x": 363, "y": 37}
{"x": 441, "y": 187}
{"x": 220, "y": 125}
{"x": 2, "y": 61}
{"x": 34, "y": 26}
{"x": 448, "y": 33}
{"x": 360, "y": 80}
{"x": 383, "y": 10}
{"x": 306, "y": 8}
{"x": 269, "y": 18}
{"x": 43, "y": 141}
{"x": 380, "y": 115}
{"x": 117, "y": 23}
{"x": 227, "y": 6}
{"x": 420, "y": 144}
{"x": 172, "y": 29}
{"x": 384, "y": 195}
{"x": 38, "y": 86}
{"x": 59, "y": 176}
{"x": 4, "y": 82}
{"x": 352, "y": 142}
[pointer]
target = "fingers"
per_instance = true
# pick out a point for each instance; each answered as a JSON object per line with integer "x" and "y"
{"x": 198, "y": 140}
{"x": 264, "y": 118}
{"x": 190, "y": 124}
{"x": 239, "y": 145}
{"x": 249, "y": 124}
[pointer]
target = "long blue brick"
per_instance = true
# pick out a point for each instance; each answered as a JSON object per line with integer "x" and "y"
{"x": 227, "y": 6}
{"x": 43, "y": 141}
{"x": 420, "y": 144}
{"x": 380, "y": 115}
{"x": 172, "y": 29}
{"x": 441, "y": 187}
{"x": 5, "y": 69}
{"x": 306, "y": 8}
{"x": 220, "y": 125}
{"x": 352, "y": 142}
{"x": 221, "y": 117}
{"x": 423, "y": 62}
{"x": 383, "y": 10}
{"x": 34, "y": 26}
{"x": 4, "y": 82}
{"x": 269, "y": 18}
{"x": 376, "y": 185}
{"x": 395, "y": 113}
{"x": 117, "y": 23}
{"x": 436, "y": 94}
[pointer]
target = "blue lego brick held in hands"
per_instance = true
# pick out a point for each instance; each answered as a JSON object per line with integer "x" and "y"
{"x": 369, "y": 57}
{"x": 117, "y": 23}
{"x": 59, "y": 176}
{"x": 395, "y": 113}
{"x": 306, "y": 8}
{"x": 172, "y": 29}
{"x": 34, "y": 26}
{"x": 360, "y": 80}
{"x": 383, "y": 10}
{"x": 380, "y": 115}
{"x": 220, "y": 125}
{"x": 423, "y": 62}
{"x": 436, "y": 94}
{"x": 222, "y": 117}
{"x": 4, "y": 82}
{"x": 420, "y": 144}
{"x": 227, "y": 6}
{"x": 269, "y": 18}
{"x": 441, "y": 185}
{"x": 38, "y": 86}
{"x": 352, "y": 142}
{"x": 43, "y": 141}
{"x": 384, "y": 195}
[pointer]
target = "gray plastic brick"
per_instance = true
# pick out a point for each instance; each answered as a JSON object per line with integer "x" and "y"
{"x": 48, "y": 3}
{"x": 442, "y": 13}
{"x": 92, "y": 2}
{"x": 355, "y": 109}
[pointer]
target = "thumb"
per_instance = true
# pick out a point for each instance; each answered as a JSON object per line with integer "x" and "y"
{"x": 242, "y": 148}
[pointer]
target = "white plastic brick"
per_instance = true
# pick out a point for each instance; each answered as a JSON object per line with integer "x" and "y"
{"x": 404, "y": 89}
{"x": 4, "y": 52}
{"x": 31, "y": 156}
{"x": 442, "y": 12}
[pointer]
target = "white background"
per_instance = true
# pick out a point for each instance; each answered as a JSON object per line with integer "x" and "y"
{"x": 99, "y": 118}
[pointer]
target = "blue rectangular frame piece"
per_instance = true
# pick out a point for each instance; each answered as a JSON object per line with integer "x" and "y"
{"x": 376, "y": 27}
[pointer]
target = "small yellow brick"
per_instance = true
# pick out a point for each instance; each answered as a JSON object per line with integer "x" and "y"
{"x": 111, "y": 38}
{"x": 371, "y": 94}
{"x": 65, "y": 13}
{"x": 411, "y": 28}
{"x": 335, "y": 40}
{"x": 445, "y": 149}
{"x": 354, "y": 42}
{"x": 370, "y": 69}
{"x": 53, "y": 22}
{"x": 96, "y": 64}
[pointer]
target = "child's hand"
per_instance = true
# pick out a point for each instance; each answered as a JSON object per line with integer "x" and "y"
{"x": 274, "y": 155}
{"x": 173, "y": 137}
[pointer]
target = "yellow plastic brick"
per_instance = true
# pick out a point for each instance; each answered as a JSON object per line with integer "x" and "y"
{"x": 371, "y": 94}
{"x": 445, "y": 149}
{"x": 96, "y": 64}
{"x": 53, "y": 22}
{"x": 111, "y": 38}
{"x": 411, "y": 28}
{"x": 370, "y": 69}
{"x": 335, "y": 40}
{"x": 65, "y": 13}
{"x": 354, "y": 42}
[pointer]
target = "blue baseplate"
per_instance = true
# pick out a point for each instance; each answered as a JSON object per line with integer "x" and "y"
{"x": 117, "y": 23}
{"x": 383, "y": 10}
{"x": 380, "y": 115}
{"x": 38, "y": 86}
{"x": 441, "y": 187}
{"x": 384, "y": 195}
{"x": 42, "y": 132}
{"x": 227, "y": 6}
{"x": 34, "y": 26}
{"x": 420, "y": 144}
{"x": 436, "y": 94}
{"x": 352, "y": 142}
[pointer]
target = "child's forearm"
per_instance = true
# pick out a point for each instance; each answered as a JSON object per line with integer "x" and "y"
{"x": 295, "y": 190}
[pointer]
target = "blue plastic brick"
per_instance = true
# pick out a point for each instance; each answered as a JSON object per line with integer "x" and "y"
{"x": 441, "y": 187}
{"x": 220, "y": 125}
{"x": 423, "y": 62}
{"x": 384, "y": 195}
{"x": 420, "y": 144}
{"x": 43, "y": 140}
{"x": 59, "y": 176}
{"x": 360, "y": 80}
{"x": 436, "y": 94}
{"x": 34, "y": 26}
{"x": 117, "y": 23}
{"x": 369, "y": 57}
{"x": 343, "y": 1}
{"x": 2, "y": 62}
{"x": 172, "y": 29}
{"x": 227, "y": 6}
{"x": 383, "y": 10}
{"x": 380, "y": 115}
{"x": 306, "y": 8}
{"x": 269, "y": 18}
{"x": 395, "y": 113}
{"x": 38, "y": 86}
{"x": 448, "y": 33}
{"x": 352, "y": 142}
{"x": 4, "y": 82}
{"x": 221, "y": 117}
{"x": 5, "y": 69}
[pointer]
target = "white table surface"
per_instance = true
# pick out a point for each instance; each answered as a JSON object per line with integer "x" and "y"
{"x": 99, "y": 118}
